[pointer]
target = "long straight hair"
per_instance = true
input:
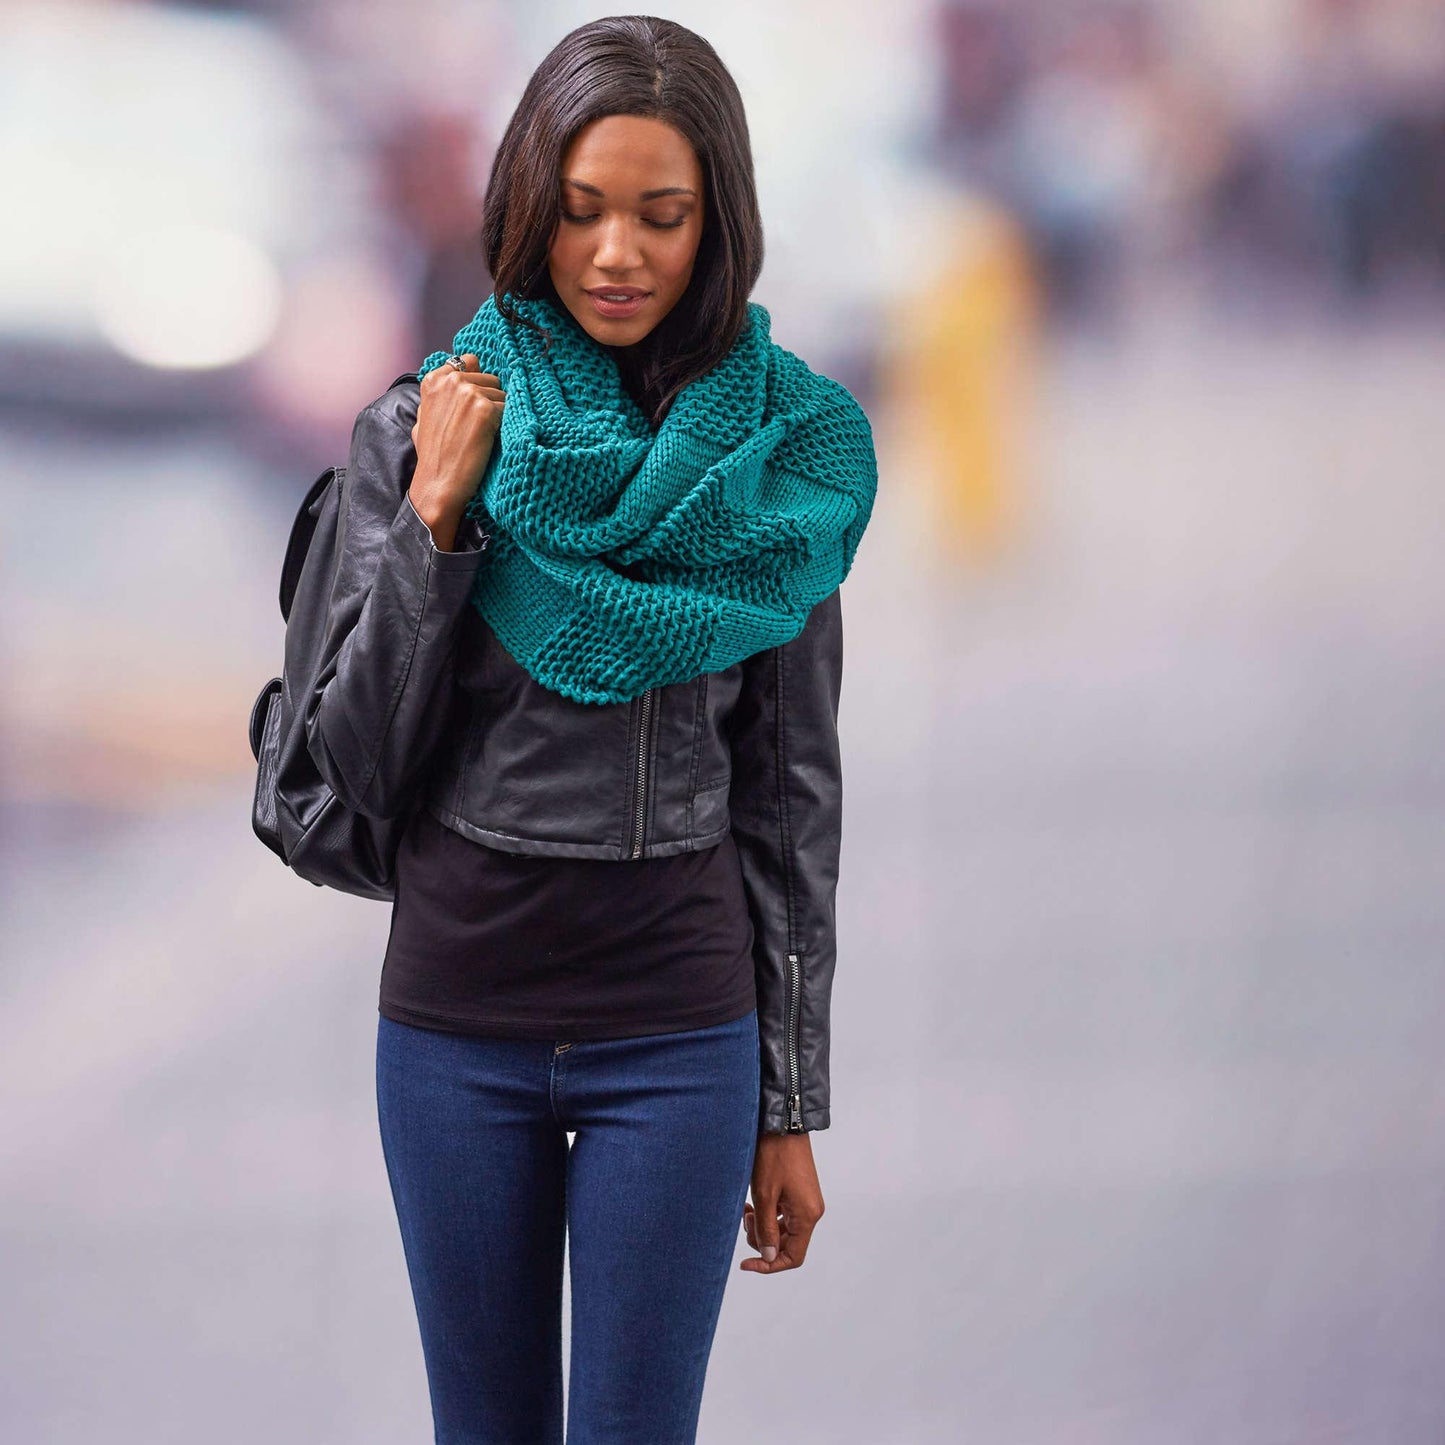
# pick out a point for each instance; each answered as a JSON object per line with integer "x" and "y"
{"x": 646, "y": 66}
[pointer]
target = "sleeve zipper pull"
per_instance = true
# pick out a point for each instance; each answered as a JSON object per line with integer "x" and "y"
{"x": 795, "y": 1112}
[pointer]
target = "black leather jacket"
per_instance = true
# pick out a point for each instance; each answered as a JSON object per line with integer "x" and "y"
{"x": 417, "y": 702}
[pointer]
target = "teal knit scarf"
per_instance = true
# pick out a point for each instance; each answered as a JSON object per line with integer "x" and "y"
{"x": 733, "y": 518}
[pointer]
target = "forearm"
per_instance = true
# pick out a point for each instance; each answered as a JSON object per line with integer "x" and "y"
{"x": 376, "y": 705}
{"x": 785, "y": 804}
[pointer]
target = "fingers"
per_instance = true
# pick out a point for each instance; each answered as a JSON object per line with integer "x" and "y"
{"x": 750, "y": 1229}
{"x": 761, "y": 1235}
{"x": 487, "y": 381}
{"x": 473, "y": 374}
{"x": 778, "y": 1230}
{"x": 492, "y": 393}
{"x": 478, "y": 383}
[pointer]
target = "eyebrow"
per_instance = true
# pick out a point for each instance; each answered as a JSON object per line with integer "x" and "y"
{"x": 646, "y": 195}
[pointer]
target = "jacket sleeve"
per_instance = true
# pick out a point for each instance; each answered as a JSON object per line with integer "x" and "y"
{"x": 378, "y": 703}
{"x": 786, "y": 806}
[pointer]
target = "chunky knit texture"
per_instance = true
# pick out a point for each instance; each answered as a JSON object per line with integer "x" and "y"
{"x": 625, "y": 557}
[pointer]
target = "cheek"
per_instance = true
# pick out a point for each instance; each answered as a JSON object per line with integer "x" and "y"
{"x": 565, "y": 253}
{"x": 676, "y": 263}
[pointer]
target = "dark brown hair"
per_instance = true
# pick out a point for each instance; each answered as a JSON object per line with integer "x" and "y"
{"x": 633, "y": 65}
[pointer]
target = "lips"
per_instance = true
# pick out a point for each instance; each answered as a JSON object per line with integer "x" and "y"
{"x": 614, "y": 310}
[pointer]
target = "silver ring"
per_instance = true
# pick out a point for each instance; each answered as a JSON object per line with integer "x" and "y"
{"x": 456, "y": 361}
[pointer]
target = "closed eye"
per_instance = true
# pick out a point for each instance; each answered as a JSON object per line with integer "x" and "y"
{"x": 656, "y": 225}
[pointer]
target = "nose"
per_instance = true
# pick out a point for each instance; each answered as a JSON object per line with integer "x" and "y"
{"x": 616, "y": 250}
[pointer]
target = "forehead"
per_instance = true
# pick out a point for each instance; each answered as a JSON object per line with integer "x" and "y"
{"x": 625, "y": 155}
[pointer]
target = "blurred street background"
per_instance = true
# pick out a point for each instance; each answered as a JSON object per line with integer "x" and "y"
{"x": 1139, "y": 1017}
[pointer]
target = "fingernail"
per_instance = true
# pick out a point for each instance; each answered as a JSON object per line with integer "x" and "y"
{"x": 770, "y": 1252}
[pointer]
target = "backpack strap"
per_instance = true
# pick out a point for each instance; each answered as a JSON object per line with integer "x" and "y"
{"x": 303, "y": 528}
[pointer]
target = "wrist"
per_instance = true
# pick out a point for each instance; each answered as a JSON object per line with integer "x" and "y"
{"x": 441, "y": 514}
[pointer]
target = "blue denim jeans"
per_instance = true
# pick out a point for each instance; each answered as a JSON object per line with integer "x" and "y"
{"x": 649, "y": 1194}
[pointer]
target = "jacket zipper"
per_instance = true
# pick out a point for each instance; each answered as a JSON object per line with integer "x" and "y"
{"x": 795, "y": 999}
{"x": 640, "y": 789}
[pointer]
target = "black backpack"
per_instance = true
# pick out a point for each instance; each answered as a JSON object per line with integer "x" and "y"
{"x": 294, "y": 812}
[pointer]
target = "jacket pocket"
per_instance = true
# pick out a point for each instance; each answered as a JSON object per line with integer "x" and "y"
{"x": 265, "y": 734}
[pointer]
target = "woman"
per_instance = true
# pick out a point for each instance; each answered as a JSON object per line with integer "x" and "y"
{"x": 586, "y": 631}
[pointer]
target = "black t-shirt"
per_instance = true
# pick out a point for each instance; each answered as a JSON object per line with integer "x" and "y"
{"x": 522, "y": 946}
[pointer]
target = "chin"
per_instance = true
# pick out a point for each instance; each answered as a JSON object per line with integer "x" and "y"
{"x": 612, "y": 335}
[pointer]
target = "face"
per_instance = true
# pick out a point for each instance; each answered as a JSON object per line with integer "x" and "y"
{"x": 632, "y": 217}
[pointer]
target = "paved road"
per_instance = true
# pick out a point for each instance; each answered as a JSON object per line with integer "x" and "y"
{"x": 1138, "y": 1072}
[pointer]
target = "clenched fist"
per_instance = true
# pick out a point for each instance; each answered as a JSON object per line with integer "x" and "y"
{"x": 457, "y": 421}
